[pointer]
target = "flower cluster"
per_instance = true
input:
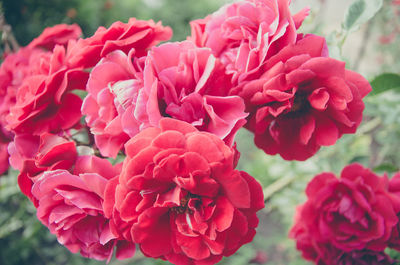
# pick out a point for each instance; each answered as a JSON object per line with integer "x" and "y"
{"x": 70, "y": 105}
{"x": 349, "y": 220}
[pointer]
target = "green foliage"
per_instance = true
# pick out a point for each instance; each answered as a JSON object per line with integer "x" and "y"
{"x": 385, "y": 82}
{"x": 359, "y": 13}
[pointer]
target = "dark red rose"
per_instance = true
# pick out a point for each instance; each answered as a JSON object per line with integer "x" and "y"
{"x": 355, "y": 212}
{"x": 70, "y": 205}
{"x": 324, "y": 253}
{"x": 180, "y": 198}
{"x": 303, "y": 100}
{"x": 136, "y": 34}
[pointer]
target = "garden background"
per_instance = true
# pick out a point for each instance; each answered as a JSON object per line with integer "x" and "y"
{"x": 369, "y": 44}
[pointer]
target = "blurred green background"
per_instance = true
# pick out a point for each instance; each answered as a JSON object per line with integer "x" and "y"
{"x": 372, "y": 50}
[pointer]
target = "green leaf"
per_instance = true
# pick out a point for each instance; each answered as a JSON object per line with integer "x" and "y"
{"x": 360, "y": 12}
{"x": 385, "y": 167}
{"x": 385, "y": 82}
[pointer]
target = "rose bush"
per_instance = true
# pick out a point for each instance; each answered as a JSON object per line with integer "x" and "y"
{"x": 171, "y": 112}
{"x": 181, "y": 198}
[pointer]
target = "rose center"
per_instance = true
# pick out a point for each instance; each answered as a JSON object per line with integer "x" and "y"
{"x": 183, "y": 207}
{"x": 300, "y": 106}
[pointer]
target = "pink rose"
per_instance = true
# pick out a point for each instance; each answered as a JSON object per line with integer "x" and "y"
{"x": 57, "y": 35}
{"x": 70, "y": 205}
{"x": 243, "y": 35}
{"x": 136, "y": 34}
{"x": 303, "y": 100}
{"x": 189, "y": 84}
{"x": 355, "y": 212}
{"x": 127, "y": 94}
{"x": 113, "y": 88}
{"x": 180, "y": 198}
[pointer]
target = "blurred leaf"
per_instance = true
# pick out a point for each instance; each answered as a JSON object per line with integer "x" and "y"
{"x": 385, "y": 82}
{"x": 386, "y": 167}
{"x": 80, "y": 93}
{"x": 360, "y": 12}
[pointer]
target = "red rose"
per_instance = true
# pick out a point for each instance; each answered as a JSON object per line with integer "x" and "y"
{"x": 13, "y": 70}
{"x": 354, "y": 212}
{"x": 324, "y": 253}
{"x": 113, "y": 88}
{"x": 57, "y": 35}
{"x": 70, "y": 205}
{"x": 136, "y": 34}
{"x": 246, "y": 33}
{"x": 303, "y": 100}
{"x": 181, "y": 198}
{"x": 44, "y": 102}
{"x": 32, "y": 155}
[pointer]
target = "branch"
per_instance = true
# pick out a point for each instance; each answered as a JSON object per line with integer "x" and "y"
{"x": 7, "y": 37}
{"x": 277, "y": 186}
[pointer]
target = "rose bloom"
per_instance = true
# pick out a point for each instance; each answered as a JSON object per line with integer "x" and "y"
{"x": 109, "y": 106}
{"x": 245, "y": 34}
{"x": 304, "y": 100}
{"x": 355, "y": 212}
{"x": 70, "y": 205}
{"x": 32, "y": 155}
{"x": 15, "y": 68}
{"x": 324, "y": 253}
{"x": 180, "y": 198}
{"x": 136, "y": 34}
{"x": 28, "y": 61}
{"x": 44, "y": 102}
{"x": 127, "y": 94}
{"x": 60, "y": 34}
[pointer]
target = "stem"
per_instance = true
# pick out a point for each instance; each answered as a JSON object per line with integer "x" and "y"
{"x": 364, "y": 44}
{"x": 277, "y": 186}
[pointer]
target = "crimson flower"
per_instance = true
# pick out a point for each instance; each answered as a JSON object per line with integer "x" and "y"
{"x": 180, "y": 198}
